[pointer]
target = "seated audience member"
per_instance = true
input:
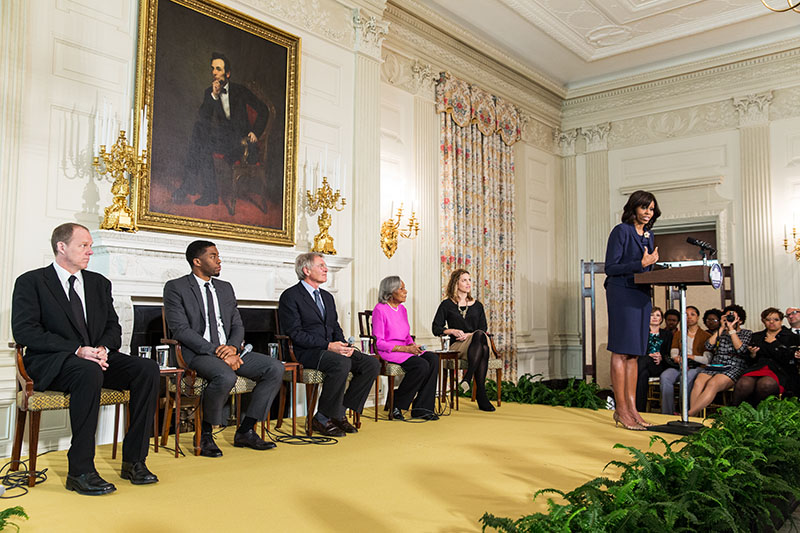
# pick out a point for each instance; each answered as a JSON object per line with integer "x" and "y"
{"x": 793, "y": 318}
{"x": 711, "y": 319}
{"x": 672, "y": 319}
{"x": 652, "y": 364}
{"x": 729, "y": 358}
{"x": 64, "y": 315}
{"x": 462, "y": 317}
{"x": 308, "y": 316}
{"x": 773, "y": 367}
{"x": 394, "y": 344}
{"x": 203, "y": 315}
{"x": 695, "y": 351}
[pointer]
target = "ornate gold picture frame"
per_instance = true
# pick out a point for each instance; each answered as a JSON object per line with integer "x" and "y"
{"x": 220, "y": 93}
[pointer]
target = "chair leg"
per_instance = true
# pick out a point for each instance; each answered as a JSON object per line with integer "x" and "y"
{"x": 281, "y": 405}
{"x": 198, "y": 423}
{"x": 499, "y": 384}
{"x": 311, "y": 404}
{"x": 167, "y": 419}
{"x": 19, "y": 434}
{"x": 390, "y": 392}
{"x": 33, "y": 447}
{"x": 377, "y": 394}
{"x": 116, "y": 431}
{"x": 473, "y": 389}
{"x": 238, "y": 409}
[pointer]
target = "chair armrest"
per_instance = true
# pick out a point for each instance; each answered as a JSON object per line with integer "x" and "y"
{"x": 494, "y": 349}
{"x": 188, "y": 373}
{"x": 286, "y": 338}
{"x": 23, "y": 379}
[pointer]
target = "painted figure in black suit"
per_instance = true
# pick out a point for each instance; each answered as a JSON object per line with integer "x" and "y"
{"x": 203, "y": 316}
{"x": 224, "y": 128}
{"x": 65, "y": 317}
{"x": 629, "y": 252}
{"x": 308, "y": 316}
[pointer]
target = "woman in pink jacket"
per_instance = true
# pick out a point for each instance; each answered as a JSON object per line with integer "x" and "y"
{"x": 394, "y": 344}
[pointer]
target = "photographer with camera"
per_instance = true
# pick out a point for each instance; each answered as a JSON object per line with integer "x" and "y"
{"x": 774, "y": 356}
{"x": 729, "y": 358}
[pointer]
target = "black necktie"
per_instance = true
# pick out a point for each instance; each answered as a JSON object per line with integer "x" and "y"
{"x": 212, "y": 316}
{"x": 77, "y": 311}
{"x": 318, "y": 301}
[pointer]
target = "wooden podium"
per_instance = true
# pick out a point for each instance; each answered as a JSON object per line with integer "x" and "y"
{"x": 682, "y": 277}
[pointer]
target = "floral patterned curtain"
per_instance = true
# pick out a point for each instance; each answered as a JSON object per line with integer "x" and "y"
{"x": 477, "y": 132}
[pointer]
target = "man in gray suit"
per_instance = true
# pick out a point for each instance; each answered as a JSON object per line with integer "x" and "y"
{"x": 203, "y": 316}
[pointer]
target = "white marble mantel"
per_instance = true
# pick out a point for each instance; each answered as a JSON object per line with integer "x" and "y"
{"x": 139, "y": 264}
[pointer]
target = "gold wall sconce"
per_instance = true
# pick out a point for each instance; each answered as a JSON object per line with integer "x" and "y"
{"x": 791, "y": 246}
{"x": 390, "y": 231}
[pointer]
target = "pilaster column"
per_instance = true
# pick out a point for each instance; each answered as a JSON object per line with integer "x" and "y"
{"x": 12, "y": 22}
{"x": 369, "y": 34}
{"x": 566, "y": 231}
{"x": 597, "y": 193}
{"x": 755, "y": 280}
{"x": 427, "y": 289}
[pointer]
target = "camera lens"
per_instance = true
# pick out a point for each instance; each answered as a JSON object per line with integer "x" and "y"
{"x": 730, "y": 317}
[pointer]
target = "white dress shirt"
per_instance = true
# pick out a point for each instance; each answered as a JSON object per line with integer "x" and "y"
{"x": 220, "y": 328}
{"x": 225, "y": 98}
{"x": 63, "y": 278}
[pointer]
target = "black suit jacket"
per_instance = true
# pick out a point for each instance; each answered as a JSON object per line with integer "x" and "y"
{"x": 42, "y": 320}
{"x": 186, "y": 315}
{"x": 301, "y": 321}
{"x": 230, "y": 132}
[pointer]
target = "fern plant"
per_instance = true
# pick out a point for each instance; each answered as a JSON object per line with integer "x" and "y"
{"x": 528, "y": 389}
{"x": 7, "y": 514}
{"x": 735, "y": 476}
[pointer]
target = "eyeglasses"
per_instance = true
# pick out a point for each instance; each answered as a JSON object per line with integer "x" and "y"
{"x": 792, "y": 313}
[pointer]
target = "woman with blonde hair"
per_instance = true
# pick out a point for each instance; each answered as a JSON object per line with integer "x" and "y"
{"x": 462, "y": 317}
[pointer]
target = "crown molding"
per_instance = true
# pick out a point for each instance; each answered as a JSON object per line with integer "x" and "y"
{"x": 416, "y": 38}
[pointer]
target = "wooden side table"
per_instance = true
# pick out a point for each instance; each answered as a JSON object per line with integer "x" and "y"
{"x": 177, "y": 375}
{"x": 449, "y": 355}
{"x": 293, "y": 368}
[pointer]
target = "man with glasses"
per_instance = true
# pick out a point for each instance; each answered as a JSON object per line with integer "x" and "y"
{"x": 793, "y": 318}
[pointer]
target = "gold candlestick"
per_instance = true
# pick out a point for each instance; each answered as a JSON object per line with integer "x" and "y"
{"x": 324, "y": 198}
{"x": 119, "y": 160}
{"x": 390, "y": 231}
{"x": 792, "y": 246}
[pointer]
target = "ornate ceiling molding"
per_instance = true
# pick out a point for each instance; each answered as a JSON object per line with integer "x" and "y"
{"x": 596, "y": 136}
{"x": 779, "y": 70}
{"x": 565, "y": 141}
{"x": 311, "y": 15}
{"x": 369, "y": 33}
{"x": 416, "y": 38}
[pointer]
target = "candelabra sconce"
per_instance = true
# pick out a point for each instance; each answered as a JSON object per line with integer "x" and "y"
{"x": 390, "y": 232}
{"x": 118, "y": 161}
{"x": 324, "y": 198}
{"x": 792, "y": 246}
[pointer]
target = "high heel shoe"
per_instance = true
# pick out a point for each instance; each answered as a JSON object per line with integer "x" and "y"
{"x": 617, "y": 423}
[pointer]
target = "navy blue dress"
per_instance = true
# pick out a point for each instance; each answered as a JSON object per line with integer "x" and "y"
{"x": 629, "y": 304}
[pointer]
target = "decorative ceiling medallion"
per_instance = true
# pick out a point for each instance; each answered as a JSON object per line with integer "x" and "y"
{"x": 608, "y": 35}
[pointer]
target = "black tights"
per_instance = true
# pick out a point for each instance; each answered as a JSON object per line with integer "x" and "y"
{"x": 753, "y": 389}
{"x": 478, "y": 365}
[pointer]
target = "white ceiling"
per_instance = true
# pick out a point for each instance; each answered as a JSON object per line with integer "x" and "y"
{"x": 578, "y": 43}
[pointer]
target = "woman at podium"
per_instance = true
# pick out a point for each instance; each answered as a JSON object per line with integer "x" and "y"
{"x": 630, "y": 250}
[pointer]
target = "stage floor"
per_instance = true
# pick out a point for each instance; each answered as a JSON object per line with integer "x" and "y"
{"x": 392, "y": 476}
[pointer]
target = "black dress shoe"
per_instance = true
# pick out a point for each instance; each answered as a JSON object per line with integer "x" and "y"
{"x": 329, "y": 430}
{"x": 344, "y": 425}
{"x": 249, "y": 439}
{"x": 138, "y": 473}
{"x": 89, "y": 484}
{"x": 209, "y": 448}
{"x": 424, "y": 414}
{"x": 486, "y": 406}
{"x": 397, "y": 414}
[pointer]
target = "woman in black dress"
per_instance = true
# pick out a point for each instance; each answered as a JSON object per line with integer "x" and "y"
{"x": 462, "y": 317}
{"x": 630, "y": 250}
{"x": 773, "y": 367}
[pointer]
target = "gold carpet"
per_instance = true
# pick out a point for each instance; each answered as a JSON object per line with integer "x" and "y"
{"x": 392, "y": 476}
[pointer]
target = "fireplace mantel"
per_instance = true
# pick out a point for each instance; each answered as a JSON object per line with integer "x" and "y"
{"x": 139, "y": 264}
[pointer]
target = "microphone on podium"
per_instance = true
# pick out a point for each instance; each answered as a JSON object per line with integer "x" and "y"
{"x": 702, "y": 244}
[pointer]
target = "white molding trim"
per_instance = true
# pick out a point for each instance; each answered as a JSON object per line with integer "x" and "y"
{"x": 692, "y": 183}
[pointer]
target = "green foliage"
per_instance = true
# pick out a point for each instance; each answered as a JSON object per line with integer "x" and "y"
{"x": 7, "y": 514}
{"x": 576, "y": 393}
{"x": 734, "y": 476}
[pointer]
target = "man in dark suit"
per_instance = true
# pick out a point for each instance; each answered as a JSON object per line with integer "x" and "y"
{"x": 203, "y": 316}
{"x": 65, "y": 317}
{"x": 308, "y": 316}
{"x": 229, "y": 123}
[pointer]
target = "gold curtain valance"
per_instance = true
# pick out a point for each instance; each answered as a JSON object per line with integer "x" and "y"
{"x": 469, "y": 104}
